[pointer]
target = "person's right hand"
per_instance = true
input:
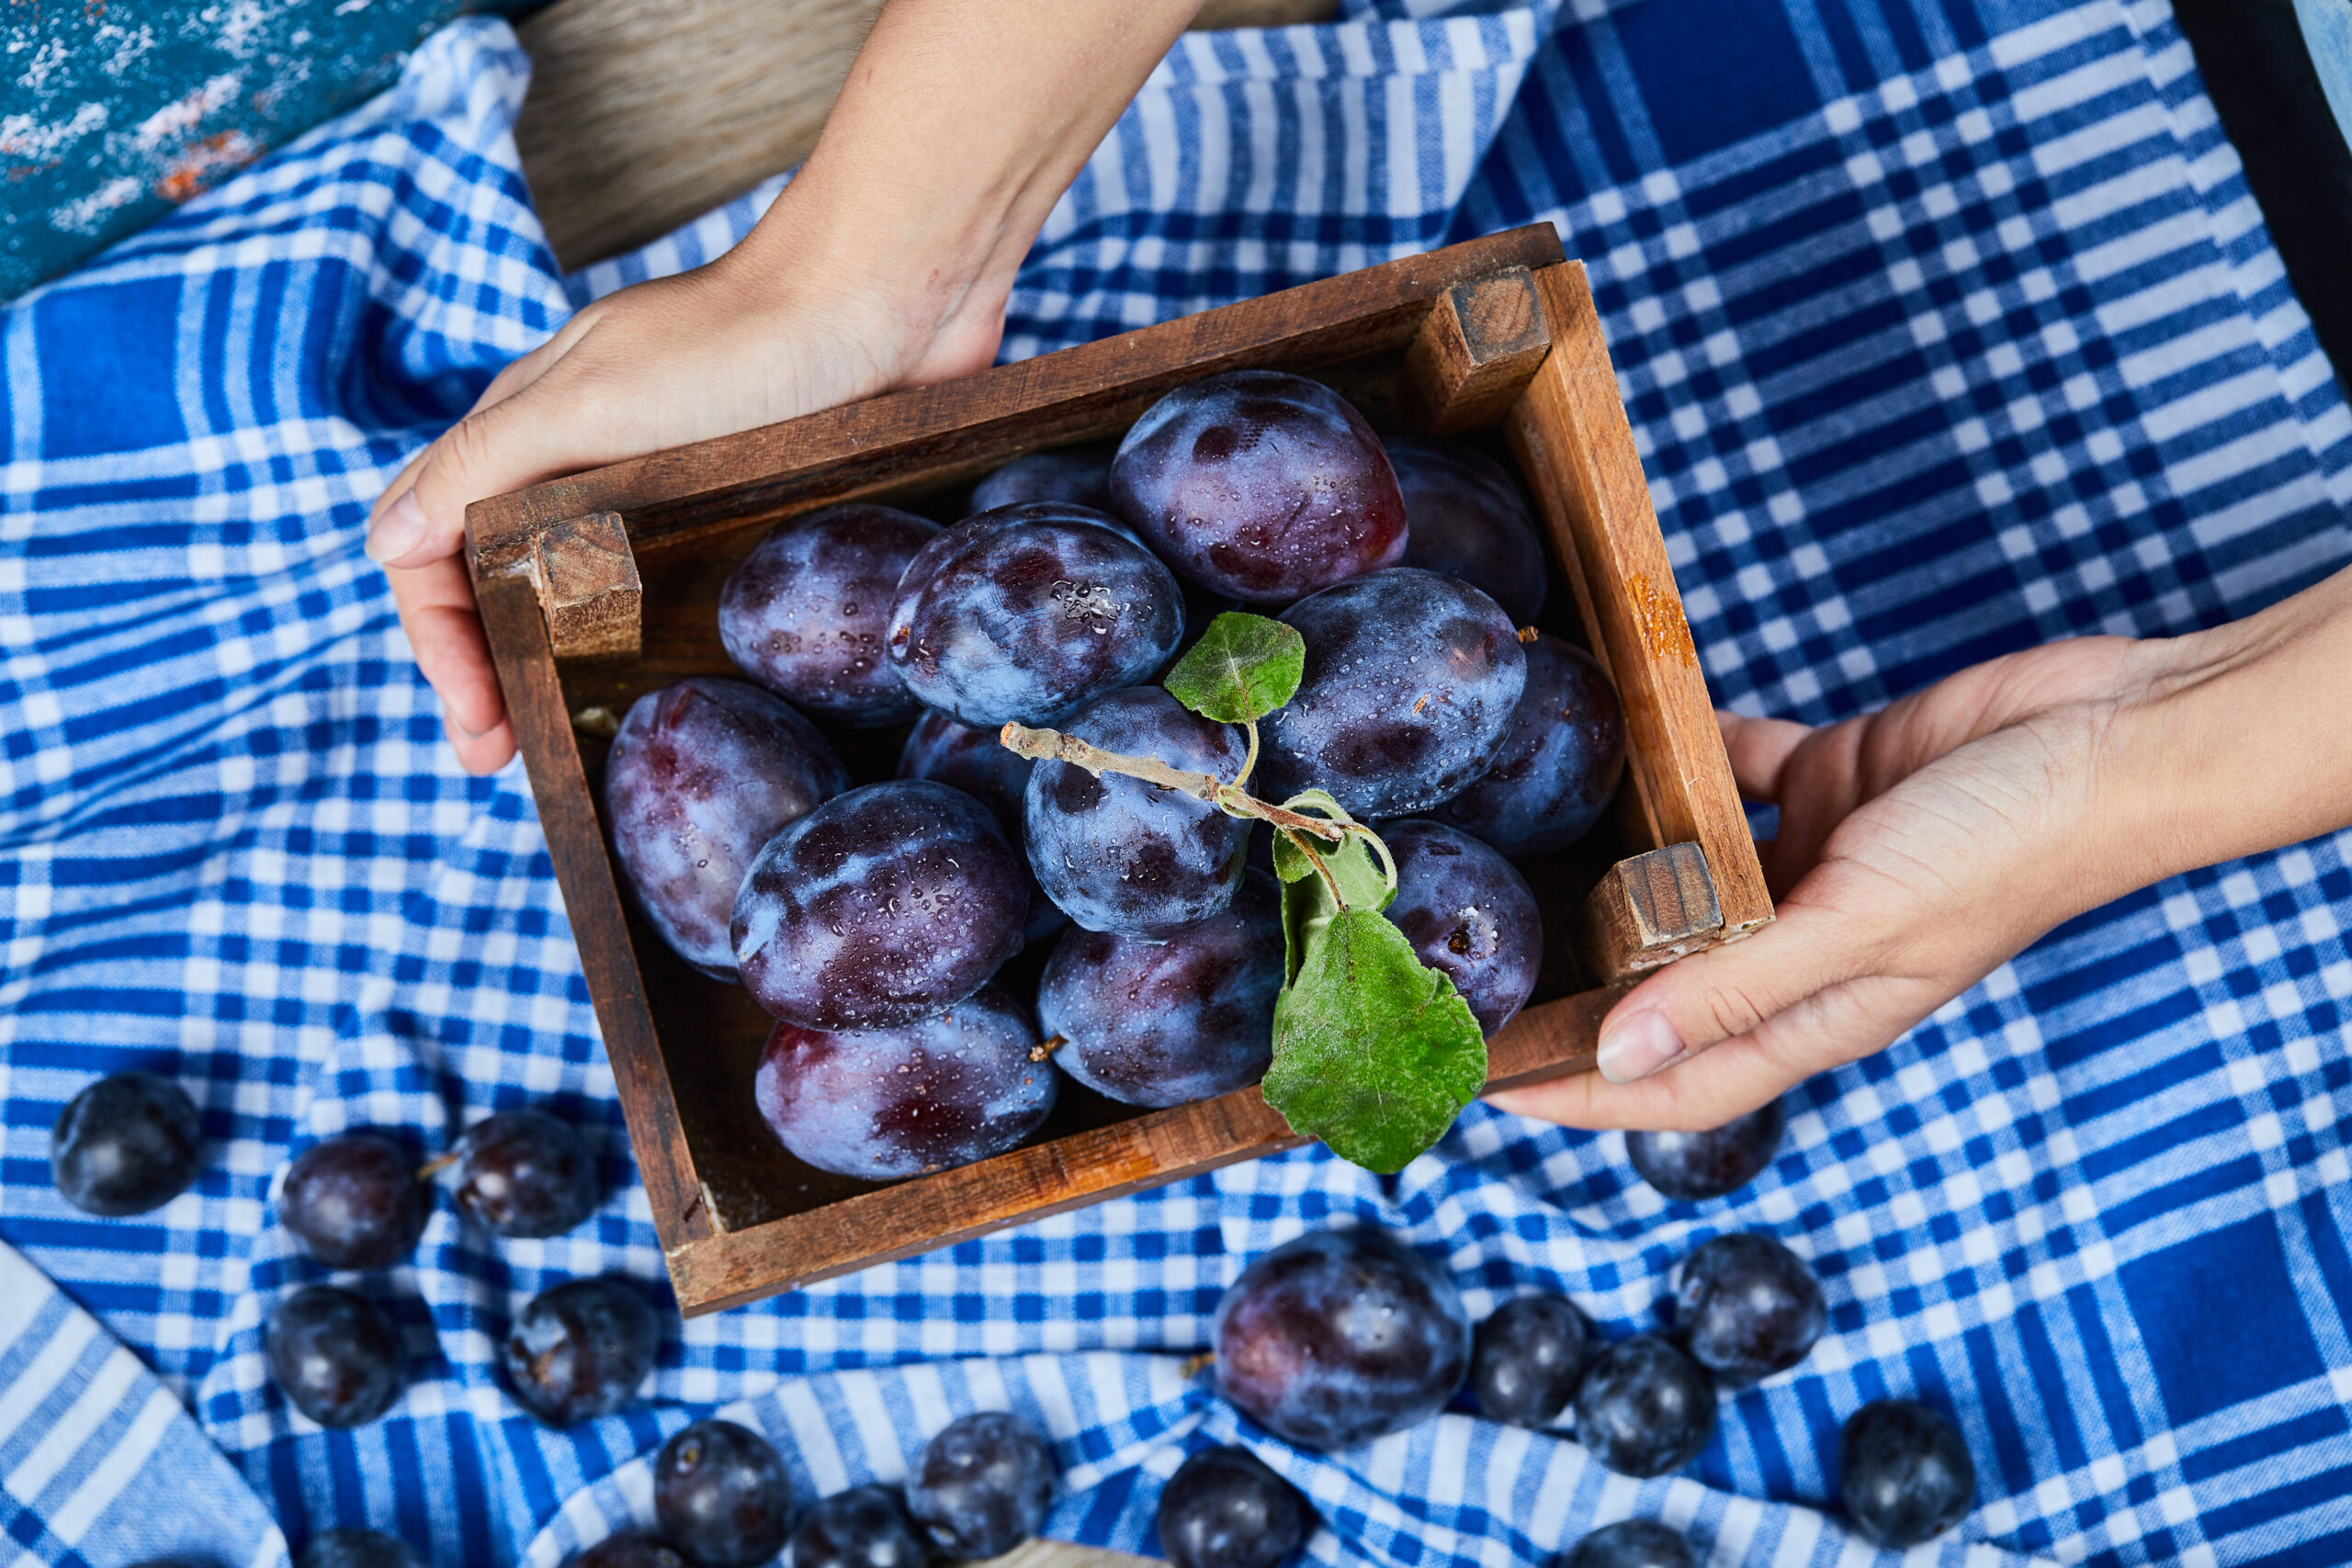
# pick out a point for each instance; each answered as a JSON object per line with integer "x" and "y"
{"x": 723, "y": 348}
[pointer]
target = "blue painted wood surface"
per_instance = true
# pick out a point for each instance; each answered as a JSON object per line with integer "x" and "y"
{"x": 112, "y": 111}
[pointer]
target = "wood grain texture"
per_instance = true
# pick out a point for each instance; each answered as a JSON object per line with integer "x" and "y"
{"x": 1475, "y": 353}
{"x": 1576, "y": 450}
{"x": 959, "y": 429}
{"x": 645, "y": 114}
{"x": 535, "y": 704}
{"x": 738, "y": 1217}
{"x": 1647, "y": 910}
{"x": 589, "y": 587}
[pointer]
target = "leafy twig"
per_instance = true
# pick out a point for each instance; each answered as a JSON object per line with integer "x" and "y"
{"x": 1052, "y": 745}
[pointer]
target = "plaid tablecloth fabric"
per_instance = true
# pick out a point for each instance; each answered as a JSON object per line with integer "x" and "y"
{"x": 1947, "y": 327}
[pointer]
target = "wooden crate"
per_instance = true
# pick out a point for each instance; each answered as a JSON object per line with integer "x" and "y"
{"x": 599, "y": 588}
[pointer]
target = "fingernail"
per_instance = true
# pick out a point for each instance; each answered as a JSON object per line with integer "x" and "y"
{"x": 1637, "y": 1046}
{"x": 399, "y": 530}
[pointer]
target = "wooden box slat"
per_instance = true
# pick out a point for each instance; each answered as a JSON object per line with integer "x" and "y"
{"x": 739, "y": 1217}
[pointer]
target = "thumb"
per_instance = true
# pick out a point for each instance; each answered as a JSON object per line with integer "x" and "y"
{"x": 1799, "y": 996}
{"x": 511, "y": 438}
{"x": 1724, "y": 993}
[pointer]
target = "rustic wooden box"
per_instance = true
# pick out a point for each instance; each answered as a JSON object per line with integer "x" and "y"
{"x": 599, "y": 588}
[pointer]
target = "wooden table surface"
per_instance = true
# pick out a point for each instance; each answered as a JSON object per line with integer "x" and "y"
{"x": 644, "y": 114}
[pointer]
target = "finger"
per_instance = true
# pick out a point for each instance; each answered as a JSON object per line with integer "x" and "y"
{"x": 1840, "y": 1023}
{"x": 438, "y": 612}
{"x": 1761, "y": 750}
{"x": 517, "y": 375}
{"x": 481, "y": 754}
{"x": 1725, "y": 992}
{"x": 512, "y": 438}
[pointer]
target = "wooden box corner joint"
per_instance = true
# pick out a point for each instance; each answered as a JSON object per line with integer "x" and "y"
{"x": 589, "y": 588}
{"x": 1648, "y": 910}
{"x": 1482, "y": 343}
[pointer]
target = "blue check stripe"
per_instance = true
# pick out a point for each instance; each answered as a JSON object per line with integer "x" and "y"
{"x": 1946, "y": 327}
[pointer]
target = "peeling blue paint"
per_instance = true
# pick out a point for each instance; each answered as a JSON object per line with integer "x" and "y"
{"x": 113, "y": 111}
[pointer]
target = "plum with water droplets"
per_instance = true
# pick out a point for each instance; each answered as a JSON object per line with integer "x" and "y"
{"x": 702, "y": 775}
{"x": 806, "y": 612}
{"x": 1168, "y": 1022}
{"x": 1128, "y": 857}
{"x": 1411, "y": 682}
{"x": 1259, "y": 485}
{"x": 1559, "y": 762}
{"x": 1467, "y": 521}
{"x": 1030, "y": 612}
{"x": 884, "y": 906}
{"x": 1469, "y": 915}
{"x": 889, "y": 1103}
{"x": 1079, "y": 475}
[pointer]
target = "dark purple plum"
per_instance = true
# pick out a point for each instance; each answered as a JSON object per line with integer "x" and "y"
{"x": 356, "y": 1549}
{"x": 1632, "y": 1543}
{"x": 126, "y": 1144}
{"x": 1467, "y": 521}
{"x": 881, "y": 906}
{"x": 1469, "y": 914}
{"x": 1527, "y": 1359}
{"x": 1340, "y": 1336}
{"x": 722, "y": 1495}
{"x": 1691, "y": 1166}
{"x": 580, "y": 1350}
{"x": 1226, "y": 1508}
{"x": 1745, "y": 1307}
{"x": 806, "y": 612}
{"x": 334, "y": 1355}
{"x": 983, "y": 767}
{"x": 1411, "y": 680}
{"x": 1030, "y": 612}
{"x": 1079, "y": 475}
{"x": 1130, "y": 858}
{"x": 1905, "y": 1474}
{"x": 889, "y": 1103}
{"x": 701, "y": 776}
{"x": 1644, "y": 1408}
{"x": 1261, "y": 485}
{"x": 355, "y": 1201}
{"x": 1559, "y": 762}
{"x": 866, "y": 1526}
{"x": 523, "y": 1173}
{"x": 982, "y": 1485}
{"x": 630, "y": 1549}
{"x": 1163, "y": 1023}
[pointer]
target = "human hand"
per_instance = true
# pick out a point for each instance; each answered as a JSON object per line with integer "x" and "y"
{"x": 1919, "y": 848}
{"x": 719, "y": 349}
{"x": 885, "y": 263}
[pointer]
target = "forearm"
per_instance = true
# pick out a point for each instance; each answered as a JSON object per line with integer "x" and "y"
{"x": 960, "y": 125}
{"x": 2241, "y": 741}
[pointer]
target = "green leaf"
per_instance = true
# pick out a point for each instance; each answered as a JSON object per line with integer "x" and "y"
{"x": 1243, "y": 668}
{"x": 1375, "y": 1054}
{"x": 1362, "y": 884}
{"x": 1308, "y": 908}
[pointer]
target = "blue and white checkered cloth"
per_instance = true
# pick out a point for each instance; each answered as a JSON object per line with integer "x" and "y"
{"x": 1947, "y": 327}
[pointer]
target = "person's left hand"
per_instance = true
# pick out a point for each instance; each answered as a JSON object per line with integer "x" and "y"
{"x": 1919, "y": 848}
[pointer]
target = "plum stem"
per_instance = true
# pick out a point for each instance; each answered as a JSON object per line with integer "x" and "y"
{"x": 1053, "y": 746}
{"x": 1045, "y": 1048}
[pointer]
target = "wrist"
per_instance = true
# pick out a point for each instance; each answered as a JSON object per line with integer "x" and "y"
{"x": 2231, "y": 744}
